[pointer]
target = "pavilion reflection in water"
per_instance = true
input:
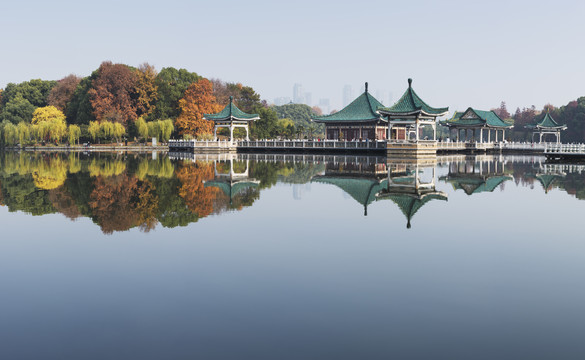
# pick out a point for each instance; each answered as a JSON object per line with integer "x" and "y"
{"x": 409, "y": 186}
{"x": 232, "y": 177}
{"x": 477, "y": 174}
{"x": 549, "y": 175}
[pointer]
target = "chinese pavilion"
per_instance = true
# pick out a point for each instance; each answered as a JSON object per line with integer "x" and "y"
{"x": 358, "y": 120}
{"x": 231, "y": 117}
{"x": 473, "y": 122}
{"x": 547, "y": 126}
{"x": 409, "y": 115}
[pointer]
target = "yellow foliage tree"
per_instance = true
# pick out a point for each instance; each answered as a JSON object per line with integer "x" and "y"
{"x": 49, "y": 123}
{"x": 47, "y": 114}
{"x": 198, "y": 100}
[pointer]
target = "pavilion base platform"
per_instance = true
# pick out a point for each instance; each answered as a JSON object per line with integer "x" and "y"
{"x": 416, "y": 152}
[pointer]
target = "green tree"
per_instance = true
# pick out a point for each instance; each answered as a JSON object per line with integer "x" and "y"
{"x": 17, "y": 110}
{"x": 171, "y": 85}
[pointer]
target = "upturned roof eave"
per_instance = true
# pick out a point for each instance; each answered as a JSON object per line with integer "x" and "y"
{"x": 325, "y": 120}
{"x": 205, "y": 117}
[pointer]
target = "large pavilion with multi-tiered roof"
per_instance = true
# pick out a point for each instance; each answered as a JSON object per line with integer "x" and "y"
{"x": 231, "y": 117}
{"x": 409, "y": 115}
{"x": 547, "y": 126}
{"x": 357, "y": 121}
{"x": 477, "y": 122}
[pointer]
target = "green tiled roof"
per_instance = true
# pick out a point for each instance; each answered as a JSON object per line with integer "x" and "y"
{"x": 362, "y": 109}
{"x": 411, "y": 103}
{"x": 361, "y": 190}
{"x": 231, "y": 111}
{"x": 475, "y": 117}
{"x": 546, "y": 122}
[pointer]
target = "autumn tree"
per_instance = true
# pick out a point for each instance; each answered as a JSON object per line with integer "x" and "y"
{"x": 198, "y": 100}
{"x": 502, "y": 111}
{"x": 112, "y": 95}
{"x": 199, "y": 199}
{"x": 146, "y": 90}
{"x": 61, "y": 94}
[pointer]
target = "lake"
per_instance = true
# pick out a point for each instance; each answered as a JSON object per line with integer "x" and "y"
{"x": 156, "y": 256}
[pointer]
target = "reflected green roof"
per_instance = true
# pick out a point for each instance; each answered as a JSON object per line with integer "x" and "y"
{"x": 410, "y": 204}
{"x": 475, "y": 184}
{"x": 473, "y": 117}
{"x": 231, "y": 189}
{"x": 362, "y": 109}
{"x": 361, "y": 190}
{"x": 411, "y": 103}
{"x": 231, "y": 111}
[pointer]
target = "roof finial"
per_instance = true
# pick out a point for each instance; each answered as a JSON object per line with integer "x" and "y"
{"x": 409, "y": 82}
{"x": 408, "y": 224}
{"x": 366, "y": 86}
{"x": 231, "y": 98}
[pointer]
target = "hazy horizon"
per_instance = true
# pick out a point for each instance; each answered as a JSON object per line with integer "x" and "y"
{"x": 459, "y": 53}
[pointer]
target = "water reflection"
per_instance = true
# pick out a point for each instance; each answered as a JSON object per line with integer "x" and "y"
{"x": 119, "y": 192}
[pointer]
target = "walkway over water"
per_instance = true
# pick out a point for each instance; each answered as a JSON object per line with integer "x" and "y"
{"x": 312, "y": 146}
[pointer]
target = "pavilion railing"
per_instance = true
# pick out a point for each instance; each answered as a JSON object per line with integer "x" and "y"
{"x": 311, "y": 144}
{"x": 564, "y": 148}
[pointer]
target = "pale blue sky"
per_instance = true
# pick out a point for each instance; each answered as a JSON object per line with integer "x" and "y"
{"x": 460, "y": 53}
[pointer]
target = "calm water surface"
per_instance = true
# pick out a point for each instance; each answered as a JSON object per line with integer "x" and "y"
{"x": 113, "y": 256}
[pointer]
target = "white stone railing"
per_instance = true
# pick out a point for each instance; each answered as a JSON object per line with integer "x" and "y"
{"x": 451, "y": 145}
{"x": 521, "y": 146}
{"x": 311, "y": 144}
{"x": 190, "y": 144}
{"x": 565, "y": 148}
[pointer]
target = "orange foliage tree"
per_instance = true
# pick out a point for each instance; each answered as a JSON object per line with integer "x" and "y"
{"x": 112, "y": 95}
{"x": 199, "y": 199}
{"x": 198, "y": 100}
{"x": 121, "y": 202}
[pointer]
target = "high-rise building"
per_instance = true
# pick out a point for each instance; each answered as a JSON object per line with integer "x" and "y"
{"x": 308, "y": 98}
{"x": 298, "y": 97}
{"x": 347, "y": 95}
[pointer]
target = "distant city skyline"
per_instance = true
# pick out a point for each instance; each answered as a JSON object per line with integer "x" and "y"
{"x": 525, "y": 52}
{"x": 299, "y": 96}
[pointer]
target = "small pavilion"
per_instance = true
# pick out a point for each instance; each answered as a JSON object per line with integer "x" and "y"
{"x": 409, "y": 115}
{"x": 547, "y": 126}
{"x": 231, "y": 117}
{"x": 358, "y": 120}
{"x": 477, "y": 122}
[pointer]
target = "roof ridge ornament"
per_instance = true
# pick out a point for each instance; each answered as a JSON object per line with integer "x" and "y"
{"x": 409, "y": 82}
{"x": 366, "y": 86}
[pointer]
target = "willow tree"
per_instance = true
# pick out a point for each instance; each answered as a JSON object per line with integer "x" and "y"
{"x": 74, "y": 134}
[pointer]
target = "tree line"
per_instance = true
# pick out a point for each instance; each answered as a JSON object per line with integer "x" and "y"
{"x": 120, "y": 101}
{"x": 572, "y": 115}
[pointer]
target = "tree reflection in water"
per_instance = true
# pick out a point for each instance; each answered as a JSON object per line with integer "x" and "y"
{"x": 119, "y": 191}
